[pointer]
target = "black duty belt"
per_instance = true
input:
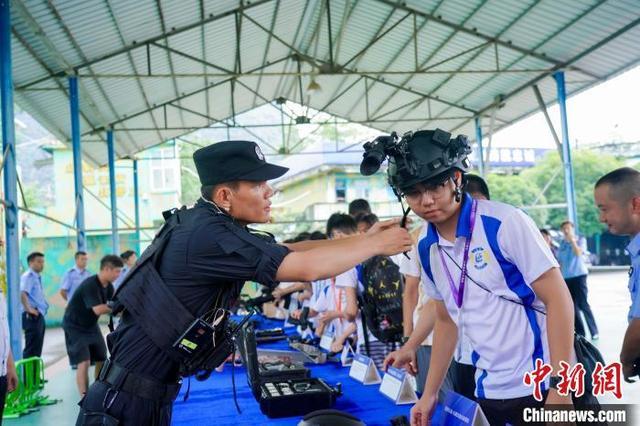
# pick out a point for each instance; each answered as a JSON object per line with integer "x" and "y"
{"x": 122, "y": 379}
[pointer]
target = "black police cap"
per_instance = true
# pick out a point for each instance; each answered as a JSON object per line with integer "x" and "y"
{"x": 231, "y": 161}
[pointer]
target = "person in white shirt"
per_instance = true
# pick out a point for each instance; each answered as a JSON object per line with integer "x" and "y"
{"x": 328, "y": 303}
{"x": 492, "y": 278}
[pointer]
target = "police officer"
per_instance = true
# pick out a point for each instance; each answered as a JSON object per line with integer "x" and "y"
{"x": 201, "y": 259}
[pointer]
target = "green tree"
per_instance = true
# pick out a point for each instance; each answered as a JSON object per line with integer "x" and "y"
{"x": 515, "y": 190}
{"x": 588, "y": 166}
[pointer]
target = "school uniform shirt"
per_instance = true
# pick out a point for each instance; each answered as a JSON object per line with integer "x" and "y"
{"x": 31, "y": 283}
{"x": 349, "y": 279}
{"x": 572, "y": 265}
{"x": 72, "y": 279}
{"x": 634, "y": 277}
{"x": 333, "y": 298}
{"x": 5, "y": 346}
{"x": 413, "y": 267}
{"x": 507, "y": 254}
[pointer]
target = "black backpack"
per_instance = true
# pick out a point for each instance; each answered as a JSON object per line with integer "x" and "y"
{"x": 381, "y": 301}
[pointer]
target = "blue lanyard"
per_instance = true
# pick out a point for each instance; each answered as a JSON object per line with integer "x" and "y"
{"x": 458, "y": 293}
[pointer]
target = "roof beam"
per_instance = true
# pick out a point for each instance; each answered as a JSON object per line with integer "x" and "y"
{"x": 166, "y": 41}
{"x": 541, "y": 43}
{"x": 576, "y": 58}
{"x": 184, "y": 96}
{"x": 142, "y": 43}
{"x": 80, "y": 52}
{"x": 462, "y": 28}
{"x": 433, "y": 53}
{"x": 274, "y": 17}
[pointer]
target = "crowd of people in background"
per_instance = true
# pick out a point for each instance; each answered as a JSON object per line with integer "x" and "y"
{"x": 86, "y": 296}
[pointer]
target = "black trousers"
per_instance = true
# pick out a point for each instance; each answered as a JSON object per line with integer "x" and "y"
{"x": 33, "y": 334}
{"x": 126, "y": 408}
{"x": 3, "y": 395}
{"x": 579, "y": 291}
{"x": 500, "y": 412}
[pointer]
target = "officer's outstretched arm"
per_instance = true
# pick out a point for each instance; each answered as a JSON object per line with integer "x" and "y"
{"x": 329, "y": 260}
{"x": 312, "y": 244}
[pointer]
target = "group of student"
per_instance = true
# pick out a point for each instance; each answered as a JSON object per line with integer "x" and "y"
{"x": 332, "y": 303}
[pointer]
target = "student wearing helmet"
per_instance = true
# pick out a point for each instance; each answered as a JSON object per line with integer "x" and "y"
{"x": 491, "y": 275}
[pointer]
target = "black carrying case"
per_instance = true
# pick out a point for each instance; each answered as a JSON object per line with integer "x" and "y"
{"x": 256, "y": 373}
{"x": 275, "y": 401}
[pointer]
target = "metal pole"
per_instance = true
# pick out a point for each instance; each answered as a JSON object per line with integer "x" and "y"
{"x": 115, "y": 238}
{"x": 74, "y": 104}
{"x": 10, "y": 181}
{"x": 566, "y": 150}
{"x": 480, "y": 149}
{"x": 136, "y": 203}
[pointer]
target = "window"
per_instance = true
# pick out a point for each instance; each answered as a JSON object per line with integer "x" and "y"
{"x": 341, "y": 190}
{"x": 163, "y": 170}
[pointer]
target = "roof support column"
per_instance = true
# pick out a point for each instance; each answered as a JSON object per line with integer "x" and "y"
{"x": 480, "y": 149}
{"x": 10, "y": 181}
{"x": 115, "y": 238}
{"x": 74, "y": 104}
{"x": 566, "y": 150}
{"x": 136, "y": 204}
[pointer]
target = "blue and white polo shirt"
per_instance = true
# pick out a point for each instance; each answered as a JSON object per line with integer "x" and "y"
{"x": 507, "y": 254}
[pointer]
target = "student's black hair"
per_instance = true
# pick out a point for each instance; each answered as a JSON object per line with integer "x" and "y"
{"x": 125, "y": 255}
{"x": 341, "y": 222}
{"x": 359, "y": 206}
{"x": 474, "y": 183}
{"x": 79, "y": 253}
{"x": 370, "y": 219}
{"x": 318, "y": 235}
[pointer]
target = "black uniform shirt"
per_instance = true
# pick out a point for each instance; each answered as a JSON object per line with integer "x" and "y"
{"x": 79, "y": 313}
{"x": 207, "y": 254}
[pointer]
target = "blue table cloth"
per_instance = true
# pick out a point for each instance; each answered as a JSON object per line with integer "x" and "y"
{"x": 211, "y": 401}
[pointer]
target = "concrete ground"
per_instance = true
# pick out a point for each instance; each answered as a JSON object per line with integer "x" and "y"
{"x": 608, "y": 296}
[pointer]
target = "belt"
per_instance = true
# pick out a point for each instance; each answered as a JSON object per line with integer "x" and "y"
{"x": 122, "y": 379}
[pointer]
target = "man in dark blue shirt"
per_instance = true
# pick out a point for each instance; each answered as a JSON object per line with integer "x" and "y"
{"x": 205, "y": 263}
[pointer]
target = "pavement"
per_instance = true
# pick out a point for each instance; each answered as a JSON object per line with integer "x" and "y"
{"x": 608, "y": 296}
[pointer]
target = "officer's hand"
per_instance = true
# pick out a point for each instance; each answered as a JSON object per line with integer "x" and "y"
{"x": 34, "y": 312}
{"x": 392, "y": 241}
{"x": 381, "y": 226}
{"x": 296, "y": 314}
{"x": 337, "y": 346}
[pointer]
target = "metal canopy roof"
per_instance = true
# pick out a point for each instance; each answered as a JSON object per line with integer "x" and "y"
{"x": 153, "y": 70}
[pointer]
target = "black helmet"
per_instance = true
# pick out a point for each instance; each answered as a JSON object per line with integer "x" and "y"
{"x": 417, "y": 157}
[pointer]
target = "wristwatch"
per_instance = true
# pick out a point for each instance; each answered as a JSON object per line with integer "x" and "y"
{"x": 405, "y": 339}
{"x": 554, "y": 381}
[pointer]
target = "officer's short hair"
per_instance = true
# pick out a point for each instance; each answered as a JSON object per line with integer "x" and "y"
{"x": 111, "y": 261}
{"x": 624, "y": 183}
{"x": 33, "y": 255}
{"x": 125, "y": 255}
{"x": 79, "y": 253}
{"x": 341, "y": 222}
{"x": 475, "y": 184}
{"x": 359, "y": 206}
{"x": 207, "y": 190}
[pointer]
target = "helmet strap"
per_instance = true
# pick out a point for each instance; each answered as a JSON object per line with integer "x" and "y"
{"x": 458, "y": 193}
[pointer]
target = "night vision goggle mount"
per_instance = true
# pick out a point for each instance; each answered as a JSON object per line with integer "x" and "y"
{"x": 415, "y": 157}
